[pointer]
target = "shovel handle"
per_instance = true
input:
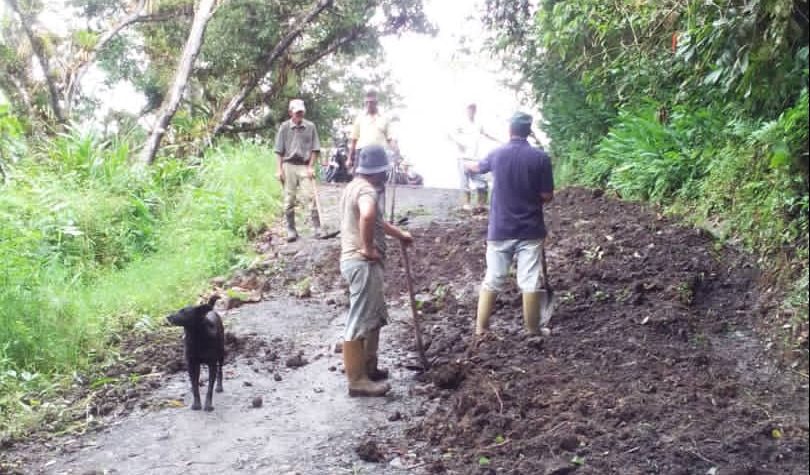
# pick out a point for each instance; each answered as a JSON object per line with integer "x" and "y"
{"x": 317, "y": 199}
{"x": 417, "y": 325}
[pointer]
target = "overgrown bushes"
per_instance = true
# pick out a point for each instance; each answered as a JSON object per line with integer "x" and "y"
{"x": 699, "y": 106}
{"x": 90, "y": 247}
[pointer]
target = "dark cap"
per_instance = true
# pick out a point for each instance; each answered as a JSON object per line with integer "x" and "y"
{"x": 521, "y": 124}
{"x": 373, "y": 159}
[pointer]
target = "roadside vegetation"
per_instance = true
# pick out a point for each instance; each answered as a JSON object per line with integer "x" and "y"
{"x": 115, "y": 211}
{"x": 92, "y": 250}
{"x": 701, "y": 107}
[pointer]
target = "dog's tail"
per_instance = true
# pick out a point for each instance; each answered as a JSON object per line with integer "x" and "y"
{"x": 213, "y": 300}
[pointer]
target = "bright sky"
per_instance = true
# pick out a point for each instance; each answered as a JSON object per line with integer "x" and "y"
{"x": 437, "y": 83}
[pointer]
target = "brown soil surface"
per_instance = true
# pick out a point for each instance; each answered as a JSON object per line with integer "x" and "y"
{"x": 652, "y": 367}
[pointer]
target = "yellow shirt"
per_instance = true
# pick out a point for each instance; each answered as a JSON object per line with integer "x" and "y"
{"x": 370, "y": 130}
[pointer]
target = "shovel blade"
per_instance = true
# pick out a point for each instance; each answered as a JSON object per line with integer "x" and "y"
{"x": 547, "y": 303}
{"x": 329, "y": 235}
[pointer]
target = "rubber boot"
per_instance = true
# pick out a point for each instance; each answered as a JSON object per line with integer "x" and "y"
{"x": 466, "y": 204}
{"x": 292, "y": 234}
{"x": 482, "y": 201}
{"x": 371, "y": 345}
{"x": 486, "y": 302}
{"x": 316, "y": 224}
{"x": 531, "y": 312}
{"x": 355, "y": 363}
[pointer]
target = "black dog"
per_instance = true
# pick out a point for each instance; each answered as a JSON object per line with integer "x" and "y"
{"x": 205, "y": 343}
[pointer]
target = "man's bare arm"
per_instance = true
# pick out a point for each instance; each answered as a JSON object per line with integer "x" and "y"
{"x": 368, "y": 214}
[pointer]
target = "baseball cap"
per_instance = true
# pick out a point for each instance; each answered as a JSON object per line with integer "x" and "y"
{"x": 297, "y": 105}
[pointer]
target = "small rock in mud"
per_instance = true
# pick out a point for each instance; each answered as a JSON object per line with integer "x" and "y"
{"x": 338, "y": 348}
{"x": 369, "y": 451}
{"x": 396, "y": 416}
{"x": 257, "y": 402}
{"x": 332, "y": 368}
{"x": 296, "y": 361}
{"x": 535, "y": 342}
{"x": 277, "y": 377}
{"x": 317, "y": 390}
{"x": 569, "y": 443}
{"x": 448, "y": 377}
{"x": 247, "y": 384}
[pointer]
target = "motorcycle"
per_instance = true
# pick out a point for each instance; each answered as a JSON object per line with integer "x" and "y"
{"x": 336, "y": 170}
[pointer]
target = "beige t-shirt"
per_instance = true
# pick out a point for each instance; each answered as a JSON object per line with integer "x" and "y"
{"x": 350, "y": 240}
{"x": 371, "y": 130}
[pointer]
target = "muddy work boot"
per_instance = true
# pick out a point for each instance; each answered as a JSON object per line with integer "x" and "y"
{"x": 292, "y": 234}
{"x": 354, "y": 361}
{"x": 486, "y": 302}
{"x": 466, "y": 202}
{"x": 371, "y": 346}
{"x": 482, "y": 198}
{"x": 531, "y": 312}
{"x": 316, "y": 224}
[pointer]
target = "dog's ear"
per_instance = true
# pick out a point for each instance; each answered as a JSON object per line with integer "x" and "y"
{"x": 213, "y": 300}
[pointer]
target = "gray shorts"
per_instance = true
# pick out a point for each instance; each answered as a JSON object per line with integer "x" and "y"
{"x": 471, "y": 181}
{"x": 367, "y": 310}
{"x": 499, "y": 260}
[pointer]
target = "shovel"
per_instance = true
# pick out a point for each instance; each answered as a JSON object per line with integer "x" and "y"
{"x": 547, "y": 298}
{"x": 417, "y": 325}
{"x": 320, "y": 211}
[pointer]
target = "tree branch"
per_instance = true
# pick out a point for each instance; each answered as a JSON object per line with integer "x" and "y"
{"x": 194, "y": 42}
{"x": 138, "y": 15}
{"x": 267, "y": 63}
{"x": 42, "y": 59}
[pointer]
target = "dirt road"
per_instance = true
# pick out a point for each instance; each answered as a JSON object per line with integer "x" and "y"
{"x": 654, "y": 366}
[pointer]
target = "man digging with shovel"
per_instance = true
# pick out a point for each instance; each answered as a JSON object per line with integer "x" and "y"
{"x": 362, "y": 241}
{"x": 522, "y": 185}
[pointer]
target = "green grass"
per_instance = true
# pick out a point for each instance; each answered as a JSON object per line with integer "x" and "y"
{"x": 90, "y": 249}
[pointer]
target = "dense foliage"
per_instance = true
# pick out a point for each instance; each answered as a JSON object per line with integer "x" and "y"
{"x": 701, "y": 106}
{"x": 91, "y": 249}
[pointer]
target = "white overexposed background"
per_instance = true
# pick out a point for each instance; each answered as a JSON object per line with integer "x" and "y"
{"x": 437, "y": 82}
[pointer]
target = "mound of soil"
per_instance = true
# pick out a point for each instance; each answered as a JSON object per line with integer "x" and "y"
{"x": 652, "y": 367}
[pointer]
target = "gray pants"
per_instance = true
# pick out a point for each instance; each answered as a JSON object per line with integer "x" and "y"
{"x": 367, "y": 310}
{"x": 499, "y": 259}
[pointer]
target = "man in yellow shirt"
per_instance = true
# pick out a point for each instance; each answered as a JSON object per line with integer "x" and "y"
{"x": 370, "y": 128}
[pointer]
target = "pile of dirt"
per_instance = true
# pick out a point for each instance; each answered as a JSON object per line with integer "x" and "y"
{"x": 653, "y": 365}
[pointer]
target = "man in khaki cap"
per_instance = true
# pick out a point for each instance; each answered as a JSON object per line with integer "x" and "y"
{"x": 297, "y": 148}
{"x": 362, "y": 258}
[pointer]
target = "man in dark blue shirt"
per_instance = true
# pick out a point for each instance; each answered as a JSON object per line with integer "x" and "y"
{"x": 522, "y": 184}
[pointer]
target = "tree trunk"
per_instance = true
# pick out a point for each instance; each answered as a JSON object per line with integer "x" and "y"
{"x": 42, "y": 59}
{"x": 171, "y": 103}
{"x": 229, "y": 113}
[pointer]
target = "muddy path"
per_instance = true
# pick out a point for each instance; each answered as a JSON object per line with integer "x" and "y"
{"x": 654, "y": 366}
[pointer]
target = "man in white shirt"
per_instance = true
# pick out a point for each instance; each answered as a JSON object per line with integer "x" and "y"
{"x": 467, "y": 137}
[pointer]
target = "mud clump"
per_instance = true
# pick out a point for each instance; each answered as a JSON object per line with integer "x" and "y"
{"x": 448, "y": 376}
{"x": 296, "y": 361}
{"x": 369, "y": 451}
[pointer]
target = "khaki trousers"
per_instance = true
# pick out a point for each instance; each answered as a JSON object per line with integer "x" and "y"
{"x": 297, "y": 182}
